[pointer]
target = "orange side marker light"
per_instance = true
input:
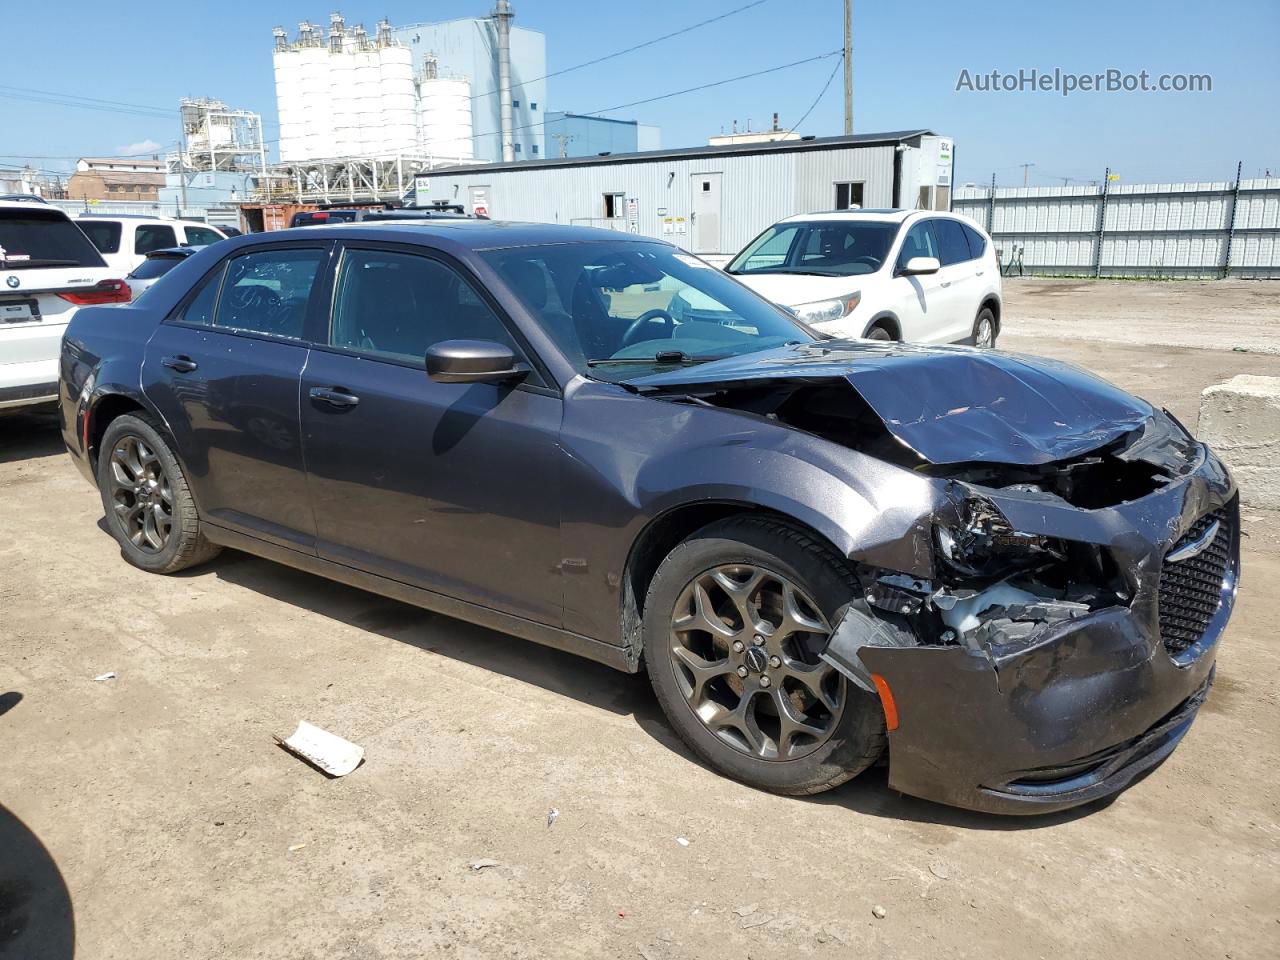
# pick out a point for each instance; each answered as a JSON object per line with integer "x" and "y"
{"x": 886, "y": 701}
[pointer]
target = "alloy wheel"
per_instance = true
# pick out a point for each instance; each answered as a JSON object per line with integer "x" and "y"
{"x": 141, "y": 494}
{"x": 744, "y": 648}
{"x": 986, "y": 333}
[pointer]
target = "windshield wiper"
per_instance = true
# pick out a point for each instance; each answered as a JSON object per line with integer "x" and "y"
{"x": 801, "y": 271}
{"x": 661, "y": 357}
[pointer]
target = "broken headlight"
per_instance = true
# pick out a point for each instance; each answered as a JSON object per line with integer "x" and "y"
{"x": 981, "y": 542}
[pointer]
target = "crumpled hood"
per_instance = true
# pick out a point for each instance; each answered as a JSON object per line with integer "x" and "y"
{"x": 948, "y": 404}
{"x": 791, "y": 289}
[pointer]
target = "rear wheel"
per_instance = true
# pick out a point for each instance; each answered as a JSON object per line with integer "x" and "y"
{"x": 149, "y": 508}
{"x": 984, "y": 329}
{"x": 734, "y": 621}
{"x": 879, "y": 333}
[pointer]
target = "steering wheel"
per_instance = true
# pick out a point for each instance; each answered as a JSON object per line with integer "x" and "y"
{"x": 871, "y": 262}
{"x": 642, "y": 321}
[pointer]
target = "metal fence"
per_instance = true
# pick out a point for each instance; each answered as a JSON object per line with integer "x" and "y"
{"x": 220, "y": 215}
{"x": 1199, "y": 230}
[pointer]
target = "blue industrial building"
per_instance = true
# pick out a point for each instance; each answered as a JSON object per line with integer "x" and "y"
{"x": 466, "y": 48}
{"x": 575, "y": 135}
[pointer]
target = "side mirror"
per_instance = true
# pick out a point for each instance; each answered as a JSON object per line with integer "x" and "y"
{"x": 472, "y": 361}
{"x": 917, "y": 266}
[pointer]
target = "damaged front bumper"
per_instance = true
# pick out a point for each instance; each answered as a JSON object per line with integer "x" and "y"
{"x": 1012, "y": 718}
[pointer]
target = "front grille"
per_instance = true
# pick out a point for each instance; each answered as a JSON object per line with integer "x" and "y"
{"x": 1191, "y": 589}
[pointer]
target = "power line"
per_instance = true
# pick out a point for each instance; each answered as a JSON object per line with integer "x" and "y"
{"x": 675, "y": 93}
{"x": 633, "y": 49}
{"x": 826, "y": 86}
{"x": 75, "y": 100}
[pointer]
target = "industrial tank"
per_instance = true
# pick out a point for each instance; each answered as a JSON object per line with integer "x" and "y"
{"x": 344, "y": 115}
{"x": 444, "y": 115}
{"x": 316, "y": 104}
{"x": 399, "y": 122}
{"x": 367, "y": 90}
{"x": 289, "y": 103}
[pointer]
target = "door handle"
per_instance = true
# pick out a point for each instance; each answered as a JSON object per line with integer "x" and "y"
{"x": 945, "y": 283}
{"x": 980, "y": 273}
{"x": 180, "y": 363}
{"x": 334, "y": 396}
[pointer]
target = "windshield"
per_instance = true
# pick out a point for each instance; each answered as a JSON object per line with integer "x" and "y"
{"x": 31, "y": 238}
{"x": 619, "y": 310}
{"x": 825, "y": 248}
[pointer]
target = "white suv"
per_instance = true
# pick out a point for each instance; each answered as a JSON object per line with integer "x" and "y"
{"x": 48, "y": 270}
{"x": 912, "y": 275}
{"x": 125, "y": 241}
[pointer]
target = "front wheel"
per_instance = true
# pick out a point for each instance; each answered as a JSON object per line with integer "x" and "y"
{"x": 149, "y": 508}
{"x": 734, "y": 621}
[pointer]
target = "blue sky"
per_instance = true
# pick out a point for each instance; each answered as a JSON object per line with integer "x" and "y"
{"x": 907, "y": 58}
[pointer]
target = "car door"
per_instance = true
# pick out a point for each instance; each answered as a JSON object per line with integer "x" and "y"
{"x": 917, "y": 300}
{"x": 451, "y": 487}
{"x": 224, "y": 370}
{"x": 960, "y": 283}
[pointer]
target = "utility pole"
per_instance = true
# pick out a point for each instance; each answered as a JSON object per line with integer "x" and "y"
{"x": 848, "y": 67}
{"x": 1026, "y": 172}
{"x": 182, "y": 159}
{"x": 563, "y": 139}
{"x": 502, "y": 22}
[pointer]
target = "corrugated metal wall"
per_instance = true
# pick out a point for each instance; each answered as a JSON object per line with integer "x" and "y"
{"x": 1147, "y": 230}
{"x": 755, "y": 190}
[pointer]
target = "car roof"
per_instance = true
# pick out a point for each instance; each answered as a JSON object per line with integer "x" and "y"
{"x": 135, "y": 217}
{"x": 28, "y": 205}
{"x": 466, "y": 232}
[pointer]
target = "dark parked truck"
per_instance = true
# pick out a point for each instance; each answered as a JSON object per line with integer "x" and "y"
{"x": 1006, "y": 573}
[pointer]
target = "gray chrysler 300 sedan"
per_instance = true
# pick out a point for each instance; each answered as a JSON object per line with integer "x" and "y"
{"x": 1001, "y": 571}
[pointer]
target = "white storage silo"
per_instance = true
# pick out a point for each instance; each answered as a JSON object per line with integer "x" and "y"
{"x": 399, "y": 124}
{"x": 317, "y": 120}
{"x": 368, "y": 88}
{"x": 444, "y": 116}
{"x": 288, "y": 102}
{"x": 345, "y": 119}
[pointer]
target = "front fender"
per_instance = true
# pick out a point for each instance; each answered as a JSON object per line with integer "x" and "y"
{"x": 677, "y": 454}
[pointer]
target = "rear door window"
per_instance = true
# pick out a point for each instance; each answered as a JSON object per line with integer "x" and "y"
{"x": 977, "y": 244}
{"x": 951, "y": 241}
{"x": 154, "y": 236}
{"x": 268, "y": 291}
{"x": 103, "y": 234}
{"x": 201, "y": 236}
{"x": 43, "y": 238}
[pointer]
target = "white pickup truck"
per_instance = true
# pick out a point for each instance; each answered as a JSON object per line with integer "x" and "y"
{"x": 48, "y": 270}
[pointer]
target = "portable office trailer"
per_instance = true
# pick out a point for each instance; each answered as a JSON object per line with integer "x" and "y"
{"x": 709, "y": 200}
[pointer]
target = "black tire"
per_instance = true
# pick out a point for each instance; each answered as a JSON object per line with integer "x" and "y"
{"x": 184, "y": 545}
{"x": 857, "y": 736}
{"x": 984, "y": 321}
{"x": 879, "y": 333}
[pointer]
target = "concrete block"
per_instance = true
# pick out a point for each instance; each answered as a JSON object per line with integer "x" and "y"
{"x": 1240, "y": 420}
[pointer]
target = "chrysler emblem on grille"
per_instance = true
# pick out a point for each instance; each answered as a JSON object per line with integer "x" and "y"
{"x": 1195, "y": 547}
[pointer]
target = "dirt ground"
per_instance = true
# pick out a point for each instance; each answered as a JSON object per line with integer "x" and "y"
{"x": 152, "y": 816}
